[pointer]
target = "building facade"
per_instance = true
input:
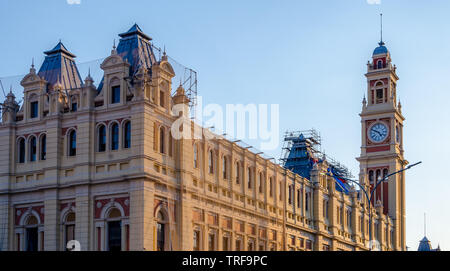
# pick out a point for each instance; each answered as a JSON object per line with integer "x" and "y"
{"x": 99, "y": 164}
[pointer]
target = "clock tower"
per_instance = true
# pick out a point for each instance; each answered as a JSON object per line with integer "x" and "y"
{"x": 382, "y": 141}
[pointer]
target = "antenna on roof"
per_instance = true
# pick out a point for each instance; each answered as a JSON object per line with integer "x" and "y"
{"x": 425, "y": 224}
{"x": 381, "y": 29}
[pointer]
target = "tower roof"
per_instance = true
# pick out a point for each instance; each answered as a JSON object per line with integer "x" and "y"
{"x": 135, "y": 30}
{"x": 59, "y": 48}
{"x": 59, "y": 67}
{"x": 135, "y": 47}
{"x": 424, "y": 245}
{"x": 381, "y": 49}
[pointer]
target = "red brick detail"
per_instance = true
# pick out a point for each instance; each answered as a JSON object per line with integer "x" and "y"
{"x": 103, "y": 202}
{"x": 64, "y": 130}
{"x": 62, "y": 206}
{"x": 384, "y": 80}
{"x": 23, "y": 210}
{"x": 379, "y": 148}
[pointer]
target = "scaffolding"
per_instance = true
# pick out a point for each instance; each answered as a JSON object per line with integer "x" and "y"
{"x": 185, "y": 76}
{"x": 301, "y": 149}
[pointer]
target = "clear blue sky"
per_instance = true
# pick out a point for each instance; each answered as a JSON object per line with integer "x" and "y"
{"x": 308, "y": 56}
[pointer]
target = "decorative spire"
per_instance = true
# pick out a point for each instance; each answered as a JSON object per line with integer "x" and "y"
{"x": 114, "y": 49}
{"x": 32, "y": 69}
{"x": 164, "y": 56}
{"x": 381, "y": 30}
{"x": 424, "y": 224}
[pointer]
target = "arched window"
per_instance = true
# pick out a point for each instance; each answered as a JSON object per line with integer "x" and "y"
{"x": 379, "y": 64}
{"x": 114, "y": 230}
{"x": 160, "y": 231}
{"x": 114, "y": 137}
{"x": 69, "y": 228}
{"x": 224, "y": 168}
{"x": 196, "y": 240}
{"x": 31, "y": 234}
{"x": 33, "y": 149}
{"x": 161, "y": 140}
{"x": 43, "y": 147}
{"x": 101, "y": 137}
{"x": 211, "y": 162}
{"x": 195, "y": 156}
{"x": 385, "y": 172}
{"x": 21, "y": 150}
{"x": 249, "y": 173}
{"x": 72, "y": 143}
{"x": 370, "y": 176}
{"x": 127, "y": 135}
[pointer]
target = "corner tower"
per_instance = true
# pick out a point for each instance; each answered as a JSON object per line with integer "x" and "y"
{"x": 382, "y": 141}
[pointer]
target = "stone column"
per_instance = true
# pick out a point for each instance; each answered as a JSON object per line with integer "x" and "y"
{"x": 51, "y": 220}
{"x": 141, "y": 215}
{"x": 5, "y": 215}
{"x": 83, "y": 218}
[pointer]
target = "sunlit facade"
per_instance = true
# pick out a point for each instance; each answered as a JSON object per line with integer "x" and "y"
{"x": 99, "y": 164}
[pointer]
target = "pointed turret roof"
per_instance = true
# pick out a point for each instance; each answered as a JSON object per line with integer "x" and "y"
{"x": 59, "y": 48}
{"x": 59, "y": 67}
{"x": 135, "y": 30}
{"x": 424, "y": 245}
{"x": 135, "y": 48}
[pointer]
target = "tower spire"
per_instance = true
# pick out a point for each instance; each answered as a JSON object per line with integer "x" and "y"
{"x": 425, "y": 224}
{"x": 381, "y": 30}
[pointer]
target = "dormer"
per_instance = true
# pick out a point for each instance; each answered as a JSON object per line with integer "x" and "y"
{"x": 34, "y": 95}
{"x": 113, "y": 88}
{"x": 162, "y": 74}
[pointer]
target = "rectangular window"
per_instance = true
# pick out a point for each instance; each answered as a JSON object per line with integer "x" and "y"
{"x": 307, "y": 201}
{"x": 74, "y": 107}
{"x": 115, "y": 94}
{"x": 34, "y": 110}
{"x": 379, "y": 96}
{"x": 281, "y": 191}
{"x": 225, "y": 243}
{"x": 290, "y": 195}
{"x": 211, "y": 243}
{"x": 196, "y": 240}
{"x": 238, "y": 245}
{"x": 161, "y": 98}
{"x": 70, "y": 233}
{"x": 308, "y": 244}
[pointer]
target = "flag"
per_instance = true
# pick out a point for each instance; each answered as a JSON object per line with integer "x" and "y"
{"x": 341, "y": 183}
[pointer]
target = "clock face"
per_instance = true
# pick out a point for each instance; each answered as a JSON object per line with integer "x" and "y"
{"x": 378, "y": 132}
